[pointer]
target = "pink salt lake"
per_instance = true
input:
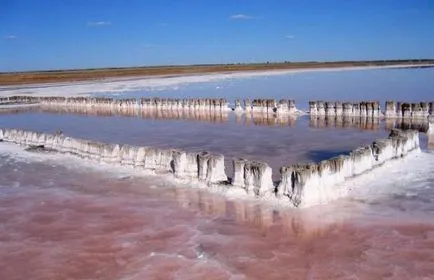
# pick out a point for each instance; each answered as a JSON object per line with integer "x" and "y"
{"x": 61, "y": 218}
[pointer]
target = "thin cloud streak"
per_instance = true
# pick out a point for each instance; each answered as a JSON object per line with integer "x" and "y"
{"x": 241, "y": 17}
{"x": 99, "y": 23}
{"x": 11, "y": 37}
{"x": 289, "y": 36}
{"x": 149, "y": 46}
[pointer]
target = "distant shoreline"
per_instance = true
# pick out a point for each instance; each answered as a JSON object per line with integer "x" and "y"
{"x": 115, "y": 85}
{"x": 59, "y": 76}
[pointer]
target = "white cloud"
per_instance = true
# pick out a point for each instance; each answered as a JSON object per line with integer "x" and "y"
{"x": 11, "y": 37}
{"x": 289, "y": 36}
{"x": 99, "y": 23}
{"x": 241, "y": 16}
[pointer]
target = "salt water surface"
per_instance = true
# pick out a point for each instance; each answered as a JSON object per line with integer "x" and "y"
{"x": 65, "y": 218}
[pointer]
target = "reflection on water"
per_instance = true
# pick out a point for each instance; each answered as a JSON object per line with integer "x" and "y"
{"x": 211, "y": 116}
{"x": 277, "y": 141}
{"x": 256, "y": 118}
{"x": 418, "y": 124}
{"x": 363, "y": 123}
{"x": 83, "y": 223}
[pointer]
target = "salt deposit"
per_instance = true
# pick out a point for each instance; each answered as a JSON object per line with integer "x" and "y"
{"x": 301, "y": 185}
{"x": 314, "y": 183}
{"x": 419, "y": 110}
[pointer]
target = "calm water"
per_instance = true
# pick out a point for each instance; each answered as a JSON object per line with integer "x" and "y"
{"x": 278, "y": 144}
{"x": 62, "y": 218}
{"x": 413, "y": 85}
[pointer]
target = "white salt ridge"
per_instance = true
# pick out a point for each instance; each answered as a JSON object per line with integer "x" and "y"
{"x": 312, "y": 184}
{"x": 152, "y": 83}
{"x": 300, "y": 185}
{"x": 153, "y": 160}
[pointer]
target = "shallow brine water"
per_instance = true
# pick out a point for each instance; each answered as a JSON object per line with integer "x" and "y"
{"x": 64, "y": 218}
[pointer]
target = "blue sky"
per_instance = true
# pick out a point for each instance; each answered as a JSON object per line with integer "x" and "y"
{"x": 59, "y": 34}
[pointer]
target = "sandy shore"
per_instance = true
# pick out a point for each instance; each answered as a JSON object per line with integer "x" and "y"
{"x": 118, "y": 85}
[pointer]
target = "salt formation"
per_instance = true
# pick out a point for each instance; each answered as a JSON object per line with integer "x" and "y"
{"x": 313, "y": 183}
{"x": 19, "y": 99}
{"x": 204, "y": 167}
{"x": 142, "y": 103}
{"x": 300, "y": 185}
{"x": 211, "y": 168}
{"x": 408, "y": 110}
{"x": 253, "y": 176}
{"x": 286, "y": 106}
{"x": 271, "y": 106}
{"x": 431, "y": 130}
{"x": 370, "y": 109}
{"x": 238, "y": 107}
{"x": 267, "y": 106}
{"x": 264, "y": 106}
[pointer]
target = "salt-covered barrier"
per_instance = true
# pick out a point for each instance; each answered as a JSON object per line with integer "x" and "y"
{"x": 206, "y": 167}
{"x": 370, "y": 109}
{"x": 300, "y": 185}
{"x": 144, "y": 103}
{"x": 19, "y": 100}
{"x": 420, "y": 110}
{"x": 430, "y": 131}
{"x": 264, "y": 106}
{"x": 314, "y": 183}
{"x": 220, "y": 104}
{"x": 271, "y": 106}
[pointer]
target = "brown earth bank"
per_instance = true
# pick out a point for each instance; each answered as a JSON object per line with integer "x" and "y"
{"x": 18, "y": 78}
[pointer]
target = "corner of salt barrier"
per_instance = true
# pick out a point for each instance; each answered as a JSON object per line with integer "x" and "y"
{"x": 311, "y": 184}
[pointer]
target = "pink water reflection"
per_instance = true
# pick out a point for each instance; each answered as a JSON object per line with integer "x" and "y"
{"x": 72, "y": 223}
